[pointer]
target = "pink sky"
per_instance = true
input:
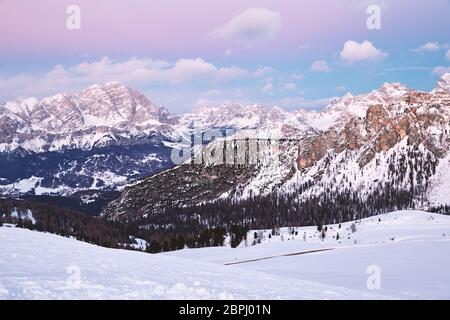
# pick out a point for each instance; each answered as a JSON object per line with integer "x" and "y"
{"x": 301, "y": 42}
{"x": 174, "y": 27}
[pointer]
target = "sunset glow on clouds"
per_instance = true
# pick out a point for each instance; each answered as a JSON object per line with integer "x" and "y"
{"x": 184, "y": 52}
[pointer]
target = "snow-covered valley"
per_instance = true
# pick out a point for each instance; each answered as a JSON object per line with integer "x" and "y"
{"x": 400, "y": 255}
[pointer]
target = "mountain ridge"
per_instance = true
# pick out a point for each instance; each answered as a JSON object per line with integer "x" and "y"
{"x": 75, "y": 134}
{"x": 383, "y": 147}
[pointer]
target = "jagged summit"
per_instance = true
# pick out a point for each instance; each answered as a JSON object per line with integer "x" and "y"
{"x": 394, "y": 89}
{"x": 386, "y": 94}
{"x": 443, "y": 85}
{"x": 99, "y": 138}
{"x": 113, "y": 106}
{"x": 104, "y": 108}
{"x": 110, "y": 105}
{"x": 387, "y": 148}
{"x": 112, "y": 115}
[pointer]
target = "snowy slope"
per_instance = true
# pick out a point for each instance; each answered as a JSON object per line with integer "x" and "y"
{"x": 409, "y": 247}
{"x": 111, "y": 119}
{"x": 36, "y": 265}
{"x": 440, "y": 190}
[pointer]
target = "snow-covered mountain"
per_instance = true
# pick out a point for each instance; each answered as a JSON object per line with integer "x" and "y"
{"x": 262, "y": 121}
{"x": 390, "y": 146}
{"x": 443, "y": 85}
{"x": 93, "y": 117}
{"x": 361, "y": 156}
{"x": 109, "y": 135}
{"x": 99, "y": 138}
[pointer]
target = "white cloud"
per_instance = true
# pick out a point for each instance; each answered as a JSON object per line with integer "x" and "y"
{"x": 149, "y": 71}
{"x": 304, "y": 46}
{"x": 354, "y": 51}
{"x": 429, "y": 46}
{"x": 22, "y": 85}
{"x": 133, "y": 71}
{"x": 440, "y": 71}
{"x": 206, "y": 102}
{"x": 213, "y": 92}
{"x": 106, "y": 67}
{"x": 432, "y": 46}
{"x": 320, "y": 66}
{"x": 290, "y": 86}
{"x": 252, "y": 27}
{"x": 187, "y": 70}
{"x": 341, "y": 88}
{"x": 229, "y": 52}
{"x": 297, "y": 76}
{"x": 267, "y": 89}
{"x": 292, "y": 103}
{"x": 264, "y": 71}
{"x": 156, "y": 71}
{"x": 238, "y": 92}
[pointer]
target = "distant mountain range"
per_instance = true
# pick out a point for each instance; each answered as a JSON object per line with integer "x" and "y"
{"x": 110, "y": 135}
{"x": 108, "y": 151}
{"x": 365, "y": 154}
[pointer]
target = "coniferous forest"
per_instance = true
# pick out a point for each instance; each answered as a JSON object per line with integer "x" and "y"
{"x": 210, "y": 224}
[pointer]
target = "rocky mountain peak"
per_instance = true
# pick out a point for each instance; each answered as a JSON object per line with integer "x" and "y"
{"x": 113, "y": 115}
{"x": 357, "y": 105}
{"x": 443, "y": 85}
{"x": 67, "y": 119}
{"x": 394, "y": 89}
{"x": 225, "y": 115}
{"x": 113, "y": 104}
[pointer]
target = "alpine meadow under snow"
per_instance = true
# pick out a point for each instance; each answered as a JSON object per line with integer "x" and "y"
{"x": 408, "y": 250}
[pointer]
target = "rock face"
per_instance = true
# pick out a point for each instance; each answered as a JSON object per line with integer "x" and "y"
{"x": 393, "y": 140}
{"x": 263, "y": 122}
{"x": 109, "y": 135}
{"x": 79, "y": 121}
{"x": 422, "y": 118}
{"x": 443, "y": 85}
{"x": 184, "y": 185}
{"x": 101, "y": 138}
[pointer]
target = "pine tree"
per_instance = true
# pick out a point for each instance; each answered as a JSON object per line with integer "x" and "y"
{"x": 154, "y": 247}
{"x": 319, "y": 227}
{"x": 322, "y": 234}
{"x": 181, "y": 242}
